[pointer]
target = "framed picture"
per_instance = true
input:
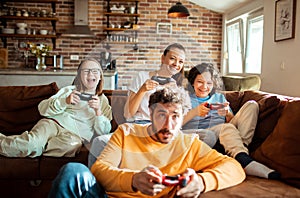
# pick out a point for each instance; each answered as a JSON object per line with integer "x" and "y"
{"x": 164, "y": 28}
{"x": 285, "y": 16}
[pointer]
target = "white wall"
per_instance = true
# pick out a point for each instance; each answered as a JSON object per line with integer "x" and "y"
{"x": 276, "y": 79}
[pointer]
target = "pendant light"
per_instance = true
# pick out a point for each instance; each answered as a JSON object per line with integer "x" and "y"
{"x": 178, "y": 11}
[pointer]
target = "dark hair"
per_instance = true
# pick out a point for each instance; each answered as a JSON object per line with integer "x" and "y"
{"x": 174, "y": 45}
{"x": 201, "y": 68}
{"x": 166, "y": 95}
{"x": 78, "y": 83}
{"x": 180, "y": 75}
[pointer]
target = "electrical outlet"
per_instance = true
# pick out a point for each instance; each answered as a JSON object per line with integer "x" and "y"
{"x": 74, "y": 57}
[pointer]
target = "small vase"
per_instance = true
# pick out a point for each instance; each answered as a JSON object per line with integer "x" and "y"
{"x": 40, "y": 66}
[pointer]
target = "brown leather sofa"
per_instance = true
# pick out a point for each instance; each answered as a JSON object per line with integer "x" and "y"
{"x": 275, "y": 143}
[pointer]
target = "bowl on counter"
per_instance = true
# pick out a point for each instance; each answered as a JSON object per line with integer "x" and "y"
{"x": 43, "y": 32}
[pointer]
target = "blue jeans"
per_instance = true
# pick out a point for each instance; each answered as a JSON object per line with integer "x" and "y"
{"x": 76, "y": 180}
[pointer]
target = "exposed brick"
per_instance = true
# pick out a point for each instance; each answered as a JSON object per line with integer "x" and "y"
{"x": 201, "y": 35}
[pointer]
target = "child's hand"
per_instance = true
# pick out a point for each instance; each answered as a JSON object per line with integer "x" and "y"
{"x": 202, "y": 109}
{"x": 94, "y": 103}
{"x": 73, "y": 98}
{"x": 224, "y": 111}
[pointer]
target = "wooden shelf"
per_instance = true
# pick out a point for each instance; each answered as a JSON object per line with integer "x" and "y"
{"x": 126, "y": 0}
{"x": 109, "y": 13}
{"x": 119, "y": 29}
{"x": 33, "y": 1}
{"x": 53, "y": 21}
{"x": 29, "y": 18}
{"x": 28, "y": 36}
{"x": 121, "y": 42}
{"x": 121, "y": 14}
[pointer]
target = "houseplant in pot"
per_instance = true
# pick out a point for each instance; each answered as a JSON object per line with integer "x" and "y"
{"x": 40, "y": 51}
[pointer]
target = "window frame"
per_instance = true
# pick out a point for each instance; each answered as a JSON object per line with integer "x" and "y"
{"x": 240, "y": 23}
{"x": 243, "y": 20}
{"x": 247, "y": 41}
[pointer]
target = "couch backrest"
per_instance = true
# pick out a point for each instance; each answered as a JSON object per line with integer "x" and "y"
{"x": 19, "y": 106}
{"x": 117, "y": 99}
{"x": 270, "y": 107}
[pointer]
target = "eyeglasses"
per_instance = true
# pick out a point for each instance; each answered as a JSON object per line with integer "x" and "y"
{"x": 87, "y": 71}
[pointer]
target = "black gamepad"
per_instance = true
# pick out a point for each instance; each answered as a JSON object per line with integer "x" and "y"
{"x": 175, "y": 180}
{"x": 161, "y": 80}
{"x": 85, "y": 96}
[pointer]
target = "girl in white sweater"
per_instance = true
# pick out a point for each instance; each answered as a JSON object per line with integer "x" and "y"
{"x": 72, "y": 116}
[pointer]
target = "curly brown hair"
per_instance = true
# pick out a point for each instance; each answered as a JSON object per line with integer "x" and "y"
{"x": 201, "y": 68}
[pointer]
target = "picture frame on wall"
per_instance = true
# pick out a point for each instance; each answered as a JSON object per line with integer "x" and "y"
{"x": 164, "y": 28}
{"x": 285, "y": 16}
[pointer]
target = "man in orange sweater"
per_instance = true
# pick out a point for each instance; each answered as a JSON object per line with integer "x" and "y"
{"x": 137, "y": 159}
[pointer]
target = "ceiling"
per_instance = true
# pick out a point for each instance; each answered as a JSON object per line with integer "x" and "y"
{"x": 221, "y": 6}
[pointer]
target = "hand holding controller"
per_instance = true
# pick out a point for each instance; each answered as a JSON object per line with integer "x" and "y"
{"x": 175, "y": 180}
{"x": 85, "y": 96}
{"x": 161, "y": 80}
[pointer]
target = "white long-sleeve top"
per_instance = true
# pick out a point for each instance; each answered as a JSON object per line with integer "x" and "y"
{"x": 80, "y": 118}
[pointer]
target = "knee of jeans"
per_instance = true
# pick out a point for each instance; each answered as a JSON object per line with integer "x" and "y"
{"x": 74, "y": 167}
{"x": 77, "y": 172}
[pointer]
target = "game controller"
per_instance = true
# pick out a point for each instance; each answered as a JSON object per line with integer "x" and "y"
{"x": 215, "y": 106}
{"x": 175, "y": 180}
{"x": 85, "y": 96}
{"x": 161, "y": 80}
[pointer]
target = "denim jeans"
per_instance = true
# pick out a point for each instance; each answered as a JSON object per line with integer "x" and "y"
{"x": 76, "y": 180}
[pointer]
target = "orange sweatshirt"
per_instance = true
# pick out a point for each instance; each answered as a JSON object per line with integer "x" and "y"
{"x": 130, "y": 149}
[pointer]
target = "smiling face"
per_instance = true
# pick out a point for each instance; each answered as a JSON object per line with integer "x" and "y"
{"x": 166, "y": 121}
{"x": 203, "y": 84}
{"x": 173, "y": 61}
{"x": 90, "y": 75}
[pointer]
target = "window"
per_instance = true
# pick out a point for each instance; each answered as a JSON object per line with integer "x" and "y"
{"x": 254, "y": 45}
{"x": 245, "y": 60}
{"x": 234, "y": 45}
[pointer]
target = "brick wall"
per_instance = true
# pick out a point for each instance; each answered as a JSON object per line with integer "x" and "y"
{"x": 201, "y": 34}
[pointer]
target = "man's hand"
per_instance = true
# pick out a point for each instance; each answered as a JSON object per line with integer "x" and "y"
{"x": 148, "y": 181}
{"x": 194, "y": 187}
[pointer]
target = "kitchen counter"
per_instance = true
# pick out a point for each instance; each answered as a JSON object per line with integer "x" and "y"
{"x": 65, "y": 77}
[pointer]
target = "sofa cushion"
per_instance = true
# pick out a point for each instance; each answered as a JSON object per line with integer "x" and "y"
{"x": 19, "y": 168}
{"x": 270, "y": 106}
{"x": 256, "y": 187}
{"x": 19, "y": 106}
{"x": 280, "y": 150}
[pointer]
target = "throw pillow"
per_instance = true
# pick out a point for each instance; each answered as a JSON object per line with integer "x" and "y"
{"x": 280, "y": 150}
